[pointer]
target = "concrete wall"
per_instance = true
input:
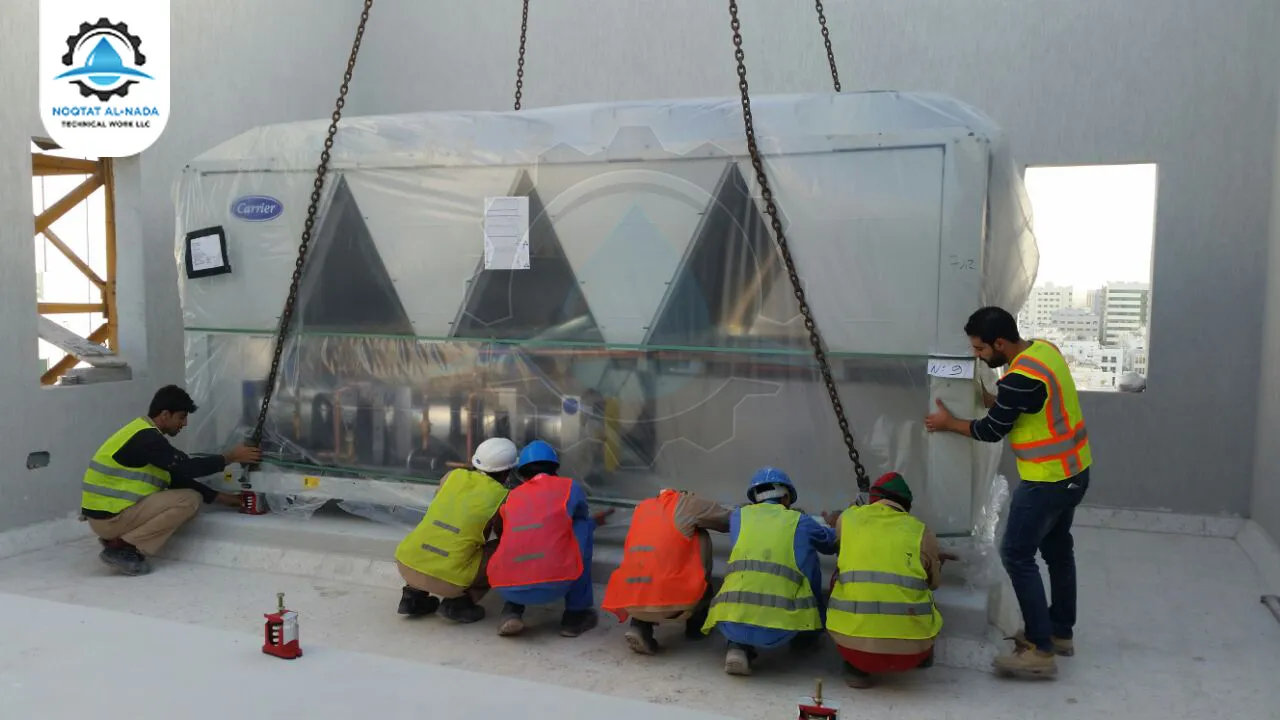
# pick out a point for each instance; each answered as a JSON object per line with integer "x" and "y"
{"x": 241, "y": 64}
{"x": 1265, "y": 508}
{"x": 1184, "y": 83}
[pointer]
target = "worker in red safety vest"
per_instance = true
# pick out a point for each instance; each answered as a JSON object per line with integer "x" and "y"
{"x": 544, "y": 554}
{"x": 666, "y": 567}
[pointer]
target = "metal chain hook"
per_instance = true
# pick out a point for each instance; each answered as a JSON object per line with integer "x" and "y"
{"x": 524, "y": 35}
{"x": 826, "y": 40}
{"x": 290, "y": 303}
{"x": 766, "y": 194}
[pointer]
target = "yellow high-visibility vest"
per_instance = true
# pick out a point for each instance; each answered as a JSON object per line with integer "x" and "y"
{"x": 449, "y": 542}
{"x": 111, "y": 487}
{"x": 1053, "y": 444}
{"x": 882, "y": 590}
{"x": 764, "y": 586}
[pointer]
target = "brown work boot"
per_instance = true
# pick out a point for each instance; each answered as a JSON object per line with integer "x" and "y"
{"x": 1064, "y": 647}
{"x": 512, "y": 620}
{"x": 1026, "y": 661}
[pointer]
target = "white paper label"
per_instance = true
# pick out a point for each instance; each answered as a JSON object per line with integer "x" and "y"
{"x": 206, "y": 253}
{"x": 951, "y": 368}
{"x": 506, "y": 233}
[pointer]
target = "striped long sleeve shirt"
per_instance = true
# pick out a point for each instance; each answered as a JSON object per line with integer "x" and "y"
{"x": 1015, "y": 394}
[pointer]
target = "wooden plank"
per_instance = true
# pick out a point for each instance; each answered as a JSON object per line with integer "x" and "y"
{"x": 89, "y": 351}
{"x": 69, "y": 361}
{"x": 68, "y": 201}
{"x": 81, "y": 265}
{"x": 109, "y": 292}
{"x": 71, "y": 308}
{"x": 43, "y": 165}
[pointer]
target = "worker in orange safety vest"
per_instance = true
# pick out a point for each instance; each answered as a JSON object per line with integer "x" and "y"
{"x": 544, "y": 554}
{"x": 666, "y": 567}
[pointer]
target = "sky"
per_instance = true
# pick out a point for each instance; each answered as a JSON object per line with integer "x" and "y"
{"x": 1094, "y": 224}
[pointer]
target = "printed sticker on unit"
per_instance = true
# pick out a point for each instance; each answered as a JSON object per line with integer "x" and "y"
{"x": 104, "y": 74}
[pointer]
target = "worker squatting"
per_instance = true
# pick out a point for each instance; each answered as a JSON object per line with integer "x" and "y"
{"x": 512, "y": 523}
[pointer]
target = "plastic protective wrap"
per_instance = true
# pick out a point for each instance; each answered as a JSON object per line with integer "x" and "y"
{"x": 654, "y": 338}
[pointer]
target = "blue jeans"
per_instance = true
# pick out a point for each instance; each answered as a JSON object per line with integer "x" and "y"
{"x": 1040, "y": 516}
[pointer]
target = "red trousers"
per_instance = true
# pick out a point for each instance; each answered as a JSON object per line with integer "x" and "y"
{"x": 876, "y": 663}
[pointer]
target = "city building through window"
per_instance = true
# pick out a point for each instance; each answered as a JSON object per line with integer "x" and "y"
{"x": 1095, "y": 225}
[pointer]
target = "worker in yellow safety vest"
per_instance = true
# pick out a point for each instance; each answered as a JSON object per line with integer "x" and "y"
{"x": 881, "y": 614}
{"x": 447, "y": 554}
{"x": 772, "y": 591}
{"x": 139, "y": 489}
{"x": 1037, "y": 407}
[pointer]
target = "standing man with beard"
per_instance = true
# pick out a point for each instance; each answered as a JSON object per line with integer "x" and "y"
{"x": 1037, "y": 407}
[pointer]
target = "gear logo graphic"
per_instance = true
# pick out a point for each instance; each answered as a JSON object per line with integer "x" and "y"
{"x": 109, "y": 60}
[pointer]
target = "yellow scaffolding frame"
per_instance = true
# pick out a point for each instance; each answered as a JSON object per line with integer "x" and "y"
{"x": 100, "y": 175}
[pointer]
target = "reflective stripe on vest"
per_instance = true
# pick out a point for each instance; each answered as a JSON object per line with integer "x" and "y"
{"x": 449, "y": 542}
{"x": 110, "y": 487}
{"x": 538, "y": 545}
{"x": 764, "y": 586}
{"x": 1053, "y": 444}
{"x": 882, "y": 590}
{"x": 662, "y": 568}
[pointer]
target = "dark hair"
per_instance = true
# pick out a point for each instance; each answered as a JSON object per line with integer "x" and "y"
{"x": 533, "y": 469}
{"x": 990, "y": 324}
{"x": 173, "y": 399}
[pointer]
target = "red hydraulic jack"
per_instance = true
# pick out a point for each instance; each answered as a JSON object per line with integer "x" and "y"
{"x": 813, "y": 709}
{"x": 282, "y": 632}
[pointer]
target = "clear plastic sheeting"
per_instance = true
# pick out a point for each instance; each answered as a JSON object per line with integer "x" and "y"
{"x": 654, "y": 339}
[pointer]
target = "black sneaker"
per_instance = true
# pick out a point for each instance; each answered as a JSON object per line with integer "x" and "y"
{"x": 640, "y": 638}
{"x": 575, "y": 622}
{"x": 126, "y": 559}
{"x": 462, "y": 610}
{"x": 416, "y": 603}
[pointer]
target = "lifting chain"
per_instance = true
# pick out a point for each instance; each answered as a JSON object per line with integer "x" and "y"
{"x": 290, "y": 303}
{"x": 524, "y": 35}
{"x": 815, "y": 339}
{"x": 826, "y": 40}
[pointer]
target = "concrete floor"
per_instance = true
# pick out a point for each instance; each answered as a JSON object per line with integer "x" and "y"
{"x": 1171, "y": 628}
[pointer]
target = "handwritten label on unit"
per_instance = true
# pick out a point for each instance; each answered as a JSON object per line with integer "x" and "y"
{"x": 962, "y": 263}
{"x": 951, "y": 368}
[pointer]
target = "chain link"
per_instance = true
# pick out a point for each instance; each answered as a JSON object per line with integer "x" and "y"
{"x": 826, "y": 40}
{"x": 290, "y": 303}
{"x": 524, "y": 35}
{"x": 766, "y": 194}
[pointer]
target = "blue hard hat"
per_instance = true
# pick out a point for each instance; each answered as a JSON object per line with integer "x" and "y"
{"x": 537, "y": 451}
{"x": 770, "y": 478}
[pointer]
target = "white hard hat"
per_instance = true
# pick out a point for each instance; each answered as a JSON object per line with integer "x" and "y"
{"x": 495, "y": 455}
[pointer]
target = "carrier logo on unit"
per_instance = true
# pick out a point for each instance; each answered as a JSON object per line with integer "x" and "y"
{"x": 257, "y": 208}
